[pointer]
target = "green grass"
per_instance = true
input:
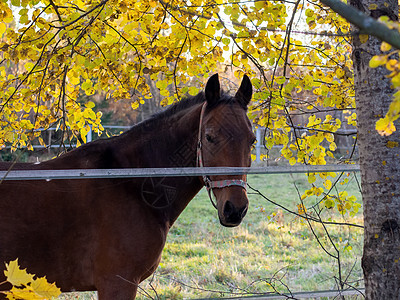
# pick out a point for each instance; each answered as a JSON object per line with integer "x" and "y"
{"x": 271, "y": 250}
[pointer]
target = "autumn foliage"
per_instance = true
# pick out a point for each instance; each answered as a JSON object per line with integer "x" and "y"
{"x": 55, "y": 52}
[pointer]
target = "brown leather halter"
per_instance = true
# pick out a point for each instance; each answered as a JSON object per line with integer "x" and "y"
{"x": 208, "y": 183}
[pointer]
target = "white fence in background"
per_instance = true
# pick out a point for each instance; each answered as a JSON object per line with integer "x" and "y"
{"x": 258, "y": 146}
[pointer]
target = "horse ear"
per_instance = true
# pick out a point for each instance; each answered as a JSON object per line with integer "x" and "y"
{"x": 245, "y": 91}
{"x": 213, "y": 89}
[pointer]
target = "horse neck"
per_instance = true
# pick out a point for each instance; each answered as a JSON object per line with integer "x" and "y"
{"x": 169, "y": 142}
{"x": 163, "y": 142}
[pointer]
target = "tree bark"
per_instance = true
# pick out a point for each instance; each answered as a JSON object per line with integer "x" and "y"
{"x": 379, "y": 163}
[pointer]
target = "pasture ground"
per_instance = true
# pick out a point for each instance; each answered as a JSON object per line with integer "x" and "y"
{"x": 271, "y": 251}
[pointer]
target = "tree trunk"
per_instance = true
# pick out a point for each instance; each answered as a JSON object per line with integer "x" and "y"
{"x": 379, "y": 162}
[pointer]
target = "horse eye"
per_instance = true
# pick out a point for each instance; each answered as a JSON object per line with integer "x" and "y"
{"x": 209, "y": 138}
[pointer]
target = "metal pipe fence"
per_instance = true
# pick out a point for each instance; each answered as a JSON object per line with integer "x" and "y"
{"x": 334, "y": 294}
{"x": 168, "y": 172}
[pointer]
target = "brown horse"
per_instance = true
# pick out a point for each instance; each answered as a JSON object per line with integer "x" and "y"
{"x": 108, "y": 234}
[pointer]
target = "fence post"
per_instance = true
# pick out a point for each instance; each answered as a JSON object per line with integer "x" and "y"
{"x": 89, "y": 135}
{"x": 258, "y": 145}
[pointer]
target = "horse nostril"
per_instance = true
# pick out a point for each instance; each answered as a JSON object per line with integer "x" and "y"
{"x": 232, "y": 214}
{"x": 229, "y": 208}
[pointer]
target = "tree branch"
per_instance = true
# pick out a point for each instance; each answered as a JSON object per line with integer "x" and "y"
{"x": 366, "y": 24}
{"x": 303, "y": 216}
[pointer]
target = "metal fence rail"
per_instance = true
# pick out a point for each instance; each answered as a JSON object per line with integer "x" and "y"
{"x": 299, "y": 295}
{"x": 168, "y": 172}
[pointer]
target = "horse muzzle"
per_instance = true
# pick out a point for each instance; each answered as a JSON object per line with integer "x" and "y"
{"x": 231, "y": 215}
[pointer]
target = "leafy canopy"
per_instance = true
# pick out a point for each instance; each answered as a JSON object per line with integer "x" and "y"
{"x": 54, "y": 52}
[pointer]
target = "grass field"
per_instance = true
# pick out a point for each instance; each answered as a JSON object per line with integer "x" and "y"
{"x": 272, "y": 250}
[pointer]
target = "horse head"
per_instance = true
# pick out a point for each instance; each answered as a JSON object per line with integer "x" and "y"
{"x": 225, "y": 140}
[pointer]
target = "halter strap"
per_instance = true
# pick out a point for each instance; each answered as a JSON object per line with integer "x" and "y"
{"x": 209, "y": 184}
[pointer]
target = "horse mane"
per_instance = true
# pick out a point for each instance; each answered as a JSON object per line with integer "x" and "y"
{"x": 186, "y": 103}
{"x": 183, "y": 104}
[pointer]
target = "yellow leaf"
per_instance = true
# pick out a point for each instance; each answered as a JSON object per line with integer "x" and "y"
{"x": 23, "y": 293}
{"x": 74, "y": 79}
{"x": 347, "y": 205}
{"x": 90, "y": 104}
{"x": 363, "y": 38}
{"x": 328, "y": 184}
{"x": 43, "y": 288}
{"x": 15, "y": 275}
{"x": 152, "y": 3}
{"x": 89, "y": 114}
{"x": 391, "y": 64}
{"x": 193, "y": 91}
{"x": 392, "y": 144}
{"x": 6, "y": 15}
{"x": 340, "y": 72}
{"x": 311, "y": 178}
{"x": 385, "y": 127}
{"x": 86, "y": 85}
{"x": 301, "y": 209}
{"x": 330, "y": 137}
{"x": 377, "y": 60}
{"x": 29, "y": 66}
{"x": 3, "y": 28}
{"x": 396, "y": 80}
{"x": 329, "y": 203}
{"x": 280, "y": 79}
{"x": 135, "y": 105}
{"x": 385, "y": 47}
{"x": 84, "y": 133}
